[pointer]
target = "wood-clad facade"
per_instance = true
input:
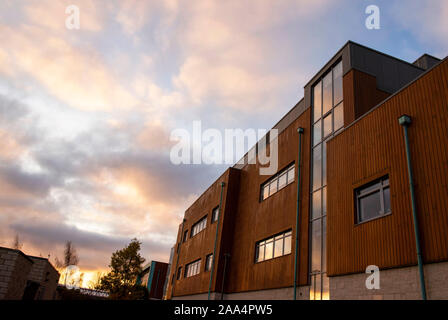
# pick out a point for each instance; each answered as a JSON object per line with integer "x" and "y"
{"x": 376, "y": 90}
{"x": 373, "y": 147}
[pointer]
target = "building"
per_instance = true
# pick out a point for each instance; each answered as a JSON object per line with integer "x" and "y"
{"x": 26, "y": 277}
{"x": 352, "y": 207}
{"x": 153, "y": 277}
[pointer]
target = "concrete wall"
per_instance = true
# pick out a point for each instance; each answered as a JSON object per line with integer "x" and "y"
{"x": 395, "y": 284}
{"x": 14, "y": 269}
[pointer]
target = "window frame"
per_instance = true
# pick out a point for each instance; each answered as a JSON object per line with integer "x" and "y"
{"x": 361, "y": 192}
{"x": 192, "y": 233}
{"x": 189, "y": 266}
{"x": 275, "y": 179}
{"x": 185, "y": 236}
{"x": 271, "y": 240}
{"x": 213, "y": 218}
{"x": 208, "y": 268}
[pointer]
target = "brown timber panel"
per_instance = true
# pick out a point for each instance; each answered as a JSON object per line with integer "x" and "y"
{"x": 374, "y": 146}
{"x": 257, "y": 220}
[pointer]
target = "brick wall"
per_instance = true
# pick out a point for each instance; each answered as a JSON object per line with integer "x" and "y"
{"x": 395, "y": 284}
{"x": 14, "y": 269}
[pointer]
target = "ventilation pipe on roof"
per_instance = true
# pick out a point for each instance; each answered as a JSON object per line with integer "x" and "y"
{"x": 216, "y": 240}
{"x": 296, "y": 255}
{"x": 405, "y": 122}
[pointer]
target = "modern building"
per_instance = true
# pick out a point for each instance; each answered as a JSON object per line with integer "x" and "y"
{"x": 25, "y": 277}
{"x": 362, "y": 154}
{"x": 153, "y": 277}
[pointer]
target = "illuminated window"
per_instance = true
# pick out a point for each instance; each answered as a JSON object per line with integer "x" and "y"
{"x": 273, "y": 247}
{"x": 277, "y": 182}
{"x": 199, "y": 226}
{"x": 208, "y": 262}
{"x": 193, "y": 268}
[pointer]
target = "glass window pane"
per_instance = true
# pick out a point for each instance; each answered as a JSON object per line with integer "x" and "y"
{"x": 316, "y": 234}
{"x": 269, "y": 250}
{"x": 260, "y": 253}
{"x": 338, "y": 116}
{"x": 386, "y": 200}
{"x": 337, "y": 84}
{"x": 287, "y": 245}
{"x": 325, "y": 288}
{"x": 328, "y": 129}
{"x": 370, "y": 188}
{"x": 317, "y": 103}
{"x": 273, "y": 187}
{"x": 324, "y": 200}
{"x": 317, "y": 167}
{"x": 282, "y": 180}
{"x": 317, "y": 205}
{"x": 291, "y": 174}
{"x": 266, "y": 191}
{"x": 317, "y": 132}
{"x": 370, "y": 206}
{"x": 315, "y": 293}
{"x": 278, "y": 248}
{"x": 327, "y": 102}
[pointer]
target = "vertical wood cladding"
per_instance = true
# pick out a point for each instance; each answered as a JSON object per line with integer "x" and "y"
{"x": 255, "y": 220}
{"x": 374, "y": 146}
{"x": 202, "y": 244}
{"x": 360, "y": 94}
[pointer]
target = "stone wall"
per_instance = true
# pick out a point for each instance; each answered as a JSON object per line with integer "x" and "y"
{"x": 395, "y": 284}
{"x": 14, "y": 269}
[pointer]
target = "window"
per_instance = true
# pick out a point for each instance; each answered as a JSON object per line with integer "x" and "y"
{"x": 179, "y": 273}
{"x": 215, "y": 214}
{"x": 208, "y": 262}
{"x": 328, "y": 118}
{"x": 185, "y": 235}
{"x": 193, "y": 268}
{"x": 273, "y": 247}
{"x": 373, "y": 200}
{"x": 199, "y": 226}
{"x": 278, "y": 182}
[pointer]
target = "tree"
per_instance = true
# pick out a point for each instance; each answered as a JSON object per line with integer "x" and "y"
{"x": 70, "y": 259}
{"x": 125, "y": 266}
{"x": 17, "y": 244}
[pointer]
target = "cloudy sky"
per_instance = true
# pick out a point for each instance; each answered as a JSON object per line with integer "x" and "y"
{"x": 86, "y": 115}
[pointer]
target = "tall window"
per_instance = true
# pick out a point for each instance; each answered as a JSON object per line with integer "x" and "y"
{"x": 273, "y": 247}
{"x": 193, "y": 268}
{"x": 185, "y": 235}
{"x": 373, "y": 200}
{"x": 199, "y": 226}
{"x": 179, "y": 272}
{"x": 328, "y": 117}
{"x": 277, "y": 182}
{"x": 208, "y": 262}
{"x": 215, "y": 214}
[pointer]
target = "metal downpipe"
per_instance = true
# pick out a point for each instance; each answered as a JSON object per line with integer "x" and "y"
{"x": 300, "y": 131}
{"x": 405, "y": 122}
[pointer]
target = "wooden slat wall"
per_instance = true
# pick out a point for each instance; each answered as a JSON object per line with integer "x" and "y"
{"x": 202, "y": 244}
{"x": 374, "y": 146}
{"x": 256, "y": 220}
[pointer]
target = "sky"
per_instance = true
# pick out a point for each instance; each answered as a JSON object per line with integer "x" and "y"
{"x": 86, "y": 114}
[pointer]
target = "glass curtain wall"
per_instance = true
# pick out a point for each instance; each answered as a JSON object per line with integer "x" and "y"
{"x": 328, "y": 117}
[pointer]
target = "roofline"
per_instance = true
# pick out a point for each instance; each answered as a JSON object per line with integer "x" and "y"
{"x": 390, "y": 97}
{"x": 365, "y": 47}
{"x": 19, "y": 252}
